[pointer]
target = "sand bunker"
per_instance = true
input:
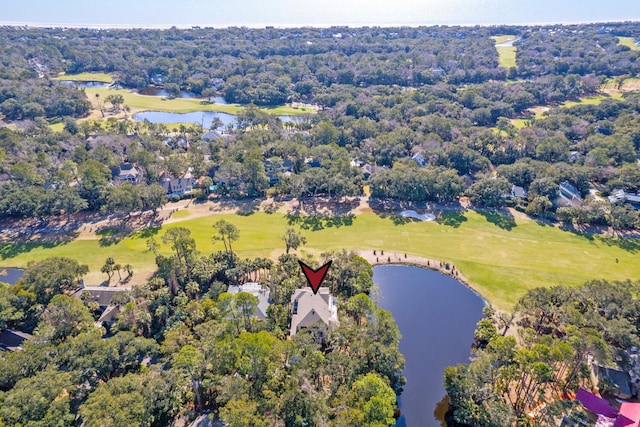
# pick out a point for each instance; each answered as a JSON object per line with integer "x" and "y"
{"x": 415, "y": 215}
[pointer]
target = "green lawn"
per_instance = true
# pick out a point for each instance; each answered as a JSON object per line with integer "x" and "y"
{"x": 88, "y": 77}
{"x": 502, "y": 257}
{"x": 183, "y": 105}
{"x": 593, "y": 100}
{"x": 629, "y": 42}
{"x": 506, "y": 54}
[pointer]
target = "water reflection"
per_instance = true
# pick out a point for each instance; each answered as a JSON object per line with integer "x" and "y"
{"x": 436, "y": 316}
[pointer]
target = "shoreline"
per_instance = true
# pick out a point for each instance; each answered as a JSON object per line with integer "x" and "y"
{"x": 402, "y": 259}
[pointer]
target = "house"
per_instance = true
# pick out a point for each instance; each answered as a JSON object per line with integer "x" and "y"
{"x": 126, "y": 172}
{"x": 620, "y": 196}
{"x": 101, "y": 295}
{"x": 518, "y": 192}
{"x": 616, "y": 377}
{"x": 177, "y": 186}
{"x": 569, "y": 194}
{"x": 368, "y": 169}
{"x": 12, "y": 340}
{"x": 419, "y": 159}
{"x": 313, "y": 310}
{"x": 258, "y": 291}
{"x": 211, "y": 135}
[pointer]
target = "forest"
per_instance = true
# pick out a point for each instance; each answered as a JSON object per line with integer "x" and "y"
{"x": 410, "y": 115}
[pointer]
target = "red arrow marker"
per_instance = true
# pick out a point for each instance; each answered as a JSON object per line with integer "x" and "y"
{"x": 314, "y": 277}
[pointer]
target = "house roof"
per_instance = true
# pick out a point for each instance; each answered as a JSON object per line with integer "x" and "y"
{"x": 211, "y": 135}
{"x": 595, "y": 404}
{"x": 517, "y": 191}
{"x": 176, "y": 185}
{"x": 622, "y": 379}
{"x": 313, "y": 307}
{"x": 12, "y": 340}
{"x": 100, "y": 294}
{"x": 258, "y": 291}
{"x": 109, "y": 314}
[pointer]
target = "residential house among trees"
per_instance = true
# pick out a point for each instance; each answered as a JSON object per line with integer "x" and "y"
{"x": 126, "y": 172}
{"x": 176, "y": 186}
{"x": 258, "y": 291}
{"x": 12, "y": 340}
{"x": 309, "y": 310}
{"x": 569, "y": 194}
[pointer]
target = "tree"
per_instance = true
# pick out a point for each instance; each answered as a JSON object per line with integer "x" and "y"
{"x": 293, "y": 239}
{"x": 43, "y": 400}
{"x": 489, "y": 192}
{"x": 153, "y": 197}
{"x": 242, "y": 411}
{"x": 108, "y": 268}
{"x": 64, "y": 316}
{"x": 53, "y": 276}
{"x": 191, "y": 361}
{"x": 539, "y": 206}
{"x": 184, "y": 246}
{"x": 68, "y": 200}
{"x": 115, "y": 100}
{"x": 227, "y": 233}
{"x": 121, "y": 401}
{"x": 371, "y": 401}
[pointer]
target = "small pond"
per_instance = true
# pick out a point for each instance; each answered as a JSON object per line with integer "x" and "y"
{"x": 82, "y": 84}
{"x": 10, "y": 275}
{"x": 436, "y": 316}
{"x": 157, "y": 91}
{"x": 204, "y": 118}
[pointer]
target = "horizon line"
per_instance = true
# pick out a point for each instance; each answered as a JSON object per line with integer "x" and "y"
{"x": 59, "y": 25}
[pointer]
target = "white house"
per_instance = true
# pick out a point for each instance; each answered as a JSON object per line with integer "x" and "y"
{"x": 309, "y": 310}
{"x": 257, "y": 291}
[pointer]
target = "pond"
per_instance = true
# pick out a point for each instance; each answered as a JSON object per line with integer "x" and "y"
{"x": 83, "y": 84}
{"x": 10, "y": 275}
{"x": 157, "y": 91}
{"x": 436, "y": 316}
{"x": 204, "y": 118}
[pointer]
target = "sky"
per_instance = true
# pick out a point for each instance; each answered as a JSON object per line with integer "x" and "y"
{"x": 282, "y": 13}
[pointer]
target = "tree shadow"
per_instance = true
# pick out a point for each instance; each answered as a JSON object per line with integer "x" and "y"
{"x": 628, "y": 244}
{"x": 146, "y": 233}
{"x": 317, "y": 222}
{"x": 451, "y": 218}
{"x": 28, "y": 239}
{"x": 570, "y": 228}
{"x": 502, "y": 220}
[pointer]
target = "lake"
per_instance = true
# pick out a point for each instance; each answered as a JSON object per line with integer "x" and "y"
{"x": 157, "y": 91}
{"x": 204, "y": 118}
{"x": 83, "y": 84}
{"x": 288, "y": 13}
{"x": 436, "y": 316}
{"x": 10, "y": 275}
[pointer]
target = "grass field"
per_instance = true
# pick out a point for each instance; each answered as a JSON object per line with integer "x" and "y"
{"x": 629, "y": 42}
{"x": 593, "y": 100}
{"x": 183, "y": 105}
{"x": 88, "y": 77}
{"x": 503, "y": 257}
{"x": 506, "y": 54}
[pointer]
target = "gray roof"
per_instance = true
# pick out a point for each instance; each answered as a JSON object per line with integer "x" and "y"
{"x": 257, "y": 291}
{"x": 100, "y": 294}
{"x": 519, "y": 192}
{"x": 12, "y": 340}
